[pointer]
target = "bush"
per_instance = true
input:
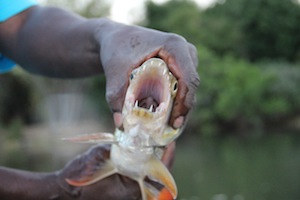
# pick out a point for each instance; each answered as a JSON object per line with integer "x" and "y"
{"x": 239, "y": 95}
{"x": 16, "y": 98}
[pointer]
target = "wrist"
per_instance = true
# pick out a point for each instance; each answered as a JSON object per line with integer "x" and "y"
{"x": 19, "y": 184}
{"x": 64, "y": 188}
{"x": 104, "y": 28}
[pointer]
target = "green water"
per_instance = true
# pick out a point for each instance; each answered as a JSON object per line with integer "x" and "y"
{"x": 228, "y": 168}
{"x": 231, "y": 168}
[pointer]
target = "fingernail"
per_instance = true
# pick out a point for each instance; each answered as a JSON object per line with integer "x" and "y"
{"x": 178, "y": 122}
{"x": 117, "y": 119}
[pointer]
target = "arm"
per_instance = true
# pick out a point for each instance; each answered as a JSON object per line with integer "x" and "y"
{"x": 23, "y": 185}
{"x": 52, "y": 42}
{"x": 57, "y": 43}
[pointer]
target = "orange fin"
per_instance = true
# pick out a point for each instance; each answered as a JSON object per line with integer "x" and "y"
{"x": 152, "y": 193}
{"x": 165, "y": 195}
{"x": 106, "y": 170}
{"x": 103, "y": 138}
{"x": 157, "y": 171}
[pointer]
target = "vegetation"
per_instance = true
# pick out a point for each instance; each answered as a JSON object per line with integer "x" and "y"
{"x": 249, "y": 64}
{"x": 249, "y": 60}
{"x": 16, "y": 99}
{"x": 249, "y": 53}
{"x": 249, "y": 29}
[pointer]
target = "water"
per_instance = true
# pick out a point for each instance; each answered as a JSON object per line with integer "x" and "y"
{"x": 228, "y": 168}
{"x": 265, "y": 168}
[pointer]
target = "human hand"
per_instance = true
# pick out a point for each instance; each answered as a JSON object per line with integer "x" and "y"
{"x": 124, "y": 48}
{"x": 114, "y": 187}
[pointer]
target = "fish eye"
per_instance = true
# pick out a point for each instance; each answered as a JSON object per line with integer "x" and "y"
{"x": 175, "y": 86}
{"x": 131, "y": 76}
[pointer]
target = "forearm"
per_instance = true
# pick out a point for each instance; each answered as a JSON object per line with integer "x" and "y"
{"x": 22, "y": 185}
{"x": 53, "y": 42}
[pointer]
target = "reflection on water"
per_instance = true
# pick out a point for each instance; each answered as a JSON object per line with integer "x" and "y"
{"x": 265, "y": 168}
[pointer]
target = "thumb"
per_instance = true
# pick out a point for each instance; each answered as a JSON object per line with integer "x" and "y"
{"x": 117, "y": 74}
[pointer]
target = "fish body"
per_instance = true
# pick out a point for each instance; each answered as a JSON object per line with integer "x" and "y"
{"x": 146, "y": 111}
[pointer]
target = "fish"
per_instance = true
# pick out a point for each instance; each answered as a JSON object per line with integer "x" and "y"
{"x": 135, "y": 147}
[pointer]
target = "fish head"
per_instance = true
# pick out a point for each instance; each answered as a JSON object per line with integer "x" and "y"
{"x": 149, "y": 102}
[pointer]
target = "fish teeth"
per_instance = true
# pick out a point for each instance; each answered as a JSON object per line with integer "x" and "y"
{"x": 165, "y": 71}
{"x": 151, "y": 108}
{"x": 136, "y": 104}
{"x": 144, "y": 67}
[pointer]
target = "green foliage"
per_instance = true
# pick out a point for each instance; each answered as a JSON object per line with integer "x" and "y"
{"x": 238, "y": 90}
{"x": 232, "y": 92}
{"x": 271, "y": 29}
{"x": 285, "y": 90}
{"x": 178, "y": 16}
{"x": 16, "y": 98}
{"x": 251, "y": 29}
{"x": 90, "y": 8}
{"x": 254, "y": 29}
{"x": 239, "y": 95}
{"x": 221, "y": 30}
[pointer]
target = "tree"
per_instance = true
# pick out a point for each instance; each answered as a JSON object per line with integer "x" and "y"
{"x": 86, "y": 8}
{"x": 271, "y": 29}
{"x": 250, "y": 29}
{"x": 254, "y": 29}
{"x": 178, "y": 16}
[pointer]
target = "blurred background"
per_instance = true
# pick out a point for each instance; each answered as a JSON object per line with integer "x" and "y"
{"x": 242, "y": 141}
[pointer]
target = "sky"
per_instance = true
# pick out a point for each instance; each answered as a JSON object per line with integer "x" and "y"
{"x": 131, "y": 11}
{"x": 125, "y": 12}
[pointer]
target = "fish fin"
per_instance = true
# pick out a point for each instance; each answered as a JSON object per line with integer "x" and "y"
{"x": 103, "y": 138}
{"x": 169, "y": 135}
{"x": 106, "y": 170}
{"x": 152, "y": 193}
{"x": 165, "y": 194}
{"x": 157, "y": 171}
{"x": 143, "y": 189}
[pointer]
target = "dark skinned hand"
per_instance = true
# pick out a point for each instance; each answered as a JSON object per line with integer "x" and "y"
{"x": 127, "y": 47}
{"x": 115, "y": 187}
{"x": 122, "y": 50}
{"x": 56, "y": 43}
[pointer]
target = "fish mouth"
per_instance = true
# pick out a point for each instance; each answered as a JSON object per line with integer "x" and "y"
{"x": 149, "y": 94}
{"x": 150, "y": 90}
{"x": 148, "y": 104}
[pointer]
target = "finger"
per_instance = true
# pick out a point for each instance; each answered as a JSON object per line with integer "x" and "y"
{"x": 81, "y": 166}
{"x": 118, "y": 119}
{"x": 115, "y": 187}
{"x": 116, "y": 85}
{"x": 116, "y": 67}
{"x": 181, "y": 59}
{"x": 193, "y": 54}
{"x": 169, "y": 154}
